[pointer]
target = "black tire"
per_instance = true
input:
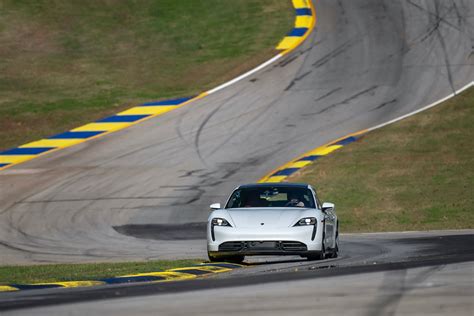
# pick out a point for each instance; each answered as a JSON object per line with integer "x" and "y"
{"x": 315, "y": 257}
{"x": 212, "y": 258}
{"x": 336, "y": 249}
{"x": 323, "y": 253}
{"x": 335, "y": 252}
{"x": 318, "y": 256}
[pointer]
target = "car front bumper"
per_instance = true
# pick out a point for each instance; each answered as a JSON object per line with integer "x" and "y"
{"x": 263, "y": 241}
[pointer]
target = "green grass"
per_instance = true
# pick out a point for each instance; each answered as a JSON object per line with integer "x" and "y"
{"x": 83, "y": 272}
{"x": 66, "y": 63}
{"x": 417, "y": 174}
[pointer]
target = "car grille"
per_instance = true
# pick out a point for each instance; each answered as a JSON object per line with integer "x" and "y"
{"x": 231, "y": 246}
{"x": 289, "y": 246}
{"x": 293, "y": 246}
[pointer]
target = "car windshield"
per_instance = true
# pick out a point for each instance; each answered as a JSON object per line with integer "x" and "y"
{"x": 268, "y": 196}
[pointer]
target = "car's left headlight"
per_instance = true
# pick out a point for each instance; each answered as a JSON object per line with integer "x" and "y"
{"x": 218, "y": 222}
{"x": 307, "y": 221}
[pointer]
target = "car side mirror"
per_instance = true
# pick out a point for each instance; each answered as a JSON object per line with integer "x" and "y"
{"x": 327, "y": 206}
{"x": 215, "y": 206}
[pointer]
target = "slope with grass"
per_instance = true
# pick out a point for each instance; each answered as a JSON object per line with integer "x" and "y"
{"x": 417, "y": 174}
{"x": 65, "y": 63}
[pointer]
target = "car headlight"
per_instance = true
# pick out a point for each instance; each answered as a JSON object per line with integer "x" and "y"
{"x": 307, "y": 221}
{"x": 220, "y": 222}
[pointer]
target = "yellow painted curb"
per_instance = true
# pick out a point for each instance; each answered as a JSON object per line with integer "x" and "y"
{"x": 177, "y": 274}
{"x": 6, "y": 288}
{"x": 290, "y": 42}
{"x": 294, "y": 165}
{"x": 50, "y": 145}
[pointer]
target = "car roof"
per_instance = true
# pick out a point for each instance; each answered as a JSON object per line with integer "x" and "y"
{"x": 277, "y": 185}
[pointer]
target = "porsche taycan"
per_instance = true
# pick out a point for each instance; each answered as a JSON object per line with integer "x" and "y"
{"x": 272, "y": 219}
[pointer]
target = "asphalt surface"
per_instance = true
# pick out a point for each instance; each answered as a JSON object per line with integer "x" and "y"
{"x": 420, "y": 291}
{"x": 367, "y": 62}
{"x": 389, "y": 264}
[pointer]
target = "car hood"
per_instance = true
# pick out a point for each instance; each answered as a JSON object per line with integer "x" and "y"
{"x": 270, "y": 217}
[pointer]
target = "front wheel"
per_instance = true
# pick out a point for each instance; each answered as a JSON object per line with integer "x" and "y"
{"x": 212, "y": 258}
{"x": 318, "y": 256}
{"x": 335, "y": 250}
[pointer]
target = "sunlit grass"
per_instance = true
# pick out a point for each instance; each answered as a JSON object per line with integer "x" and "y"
{"x": 66, "y": 63}
{"x": 83, "y": 272}
{"x": 417, "y": 174}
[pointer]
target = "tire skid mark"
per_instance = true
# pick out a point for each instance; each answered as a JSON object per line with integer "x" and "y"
{"x": 398, "y": 280}
{"x": 327, "y": 94}
{"x": 346, "y": 101}
{"x": 282, "y": 173}
{"x": 384, "y": 104}
{"x": 336, "y": 52}
{"x": 445, "y": 53}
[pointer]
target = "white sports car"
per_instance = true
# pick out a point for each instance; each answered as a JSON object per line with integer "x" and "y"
{"x": 272, "y": 219}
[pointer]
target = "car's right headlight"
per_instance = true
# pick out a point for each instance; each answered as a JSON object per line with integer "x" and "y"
{"x": 307, "y": 221}
{"x": 220, "y": 222}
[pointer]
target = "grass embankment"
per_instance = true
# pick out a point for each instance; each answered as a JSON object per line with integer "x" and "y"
{"x": 66, "y": 63}
{"x": 83, "y": 272}
{"x": 417, "y": 174}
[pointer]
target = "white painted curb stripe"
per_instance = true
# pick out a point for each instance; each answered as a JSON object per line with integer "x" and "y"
{"x": 272, "y": 177}
{"x": 423, "y": 108}
{"x": 245, "y": 75}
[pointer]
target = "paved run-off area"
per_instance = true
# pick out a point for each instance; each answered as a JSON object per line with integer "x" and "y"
{"x": 367, "y": 62}
{"x": 437, "y": 290}
{"x": 363, "y": 54}
{"x": 67, "y": 63}
{"x": 303, "y": 25}
{"x": 360, "y": 253}
{"x": 415, "y": 174}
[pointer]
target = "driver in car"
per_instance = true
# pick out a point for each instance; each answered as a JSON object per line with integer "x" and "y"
{"x": 254, "y": 200}
{"x": 294, "y": 200}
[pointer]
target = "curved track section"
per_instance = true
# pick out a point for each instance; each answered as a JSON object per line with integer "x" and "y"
{"x": 389, "y": 261}
{"x": 367, "y": 62}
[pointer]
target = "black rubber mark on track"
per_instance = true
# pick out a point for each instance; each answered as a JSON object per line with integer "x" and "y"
{"x": 336, "y": 52}
{"x": 297, "y": 79}
{"x": 346, "y": 101}
{"x": 387, "y": 304}
{"x": 328, "y": 94}
{"x": 164, "y": 231}
{"x": 384, "y": 104}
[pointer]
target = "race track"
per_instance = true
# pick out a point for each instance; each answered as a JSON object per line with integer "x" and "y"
{"x": 375, "y": 274}
{"x": 368, "y": 61}
{"x": 420, "y": 291}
